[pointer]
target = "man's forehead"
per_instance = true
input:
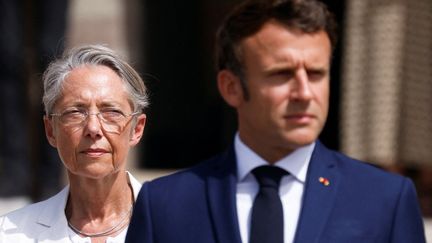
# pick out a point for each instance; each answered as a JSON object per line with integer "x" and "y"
{"x": 279, "y": 43}
{"x": 271, "y": 27}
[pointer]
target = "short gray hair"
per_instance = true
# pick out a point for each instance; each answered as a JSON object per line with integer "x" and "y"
{"x": 54, "y": 76}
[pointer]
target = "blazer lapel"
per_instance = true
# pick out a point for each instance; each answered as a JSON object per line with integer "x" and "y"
{"x": 52, "y": 216}
{"x": 221, "y": 192}
{"x": 318, "y": 197}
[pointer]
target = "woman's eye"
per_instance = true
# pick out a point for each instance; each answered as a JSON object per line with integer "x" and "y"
{"x": 73, "y": 112}
{"x": 112, "y": 113}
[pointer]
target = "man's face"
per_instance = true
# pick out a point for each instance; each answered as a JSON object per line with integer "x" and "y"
{"x": 287, "y": 76}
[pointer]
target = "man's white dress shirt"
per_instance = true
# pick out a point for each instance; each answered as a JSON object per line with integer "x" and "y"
{"x": 290, "y": 190}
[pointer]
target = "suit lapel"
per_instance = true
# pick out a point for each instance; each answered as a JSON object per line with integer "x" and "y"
{"x": 318, "y": 198}
{"x": 52, "y": 216}
{"x": 56, "y": 233}
{"x": 221, "y": 188}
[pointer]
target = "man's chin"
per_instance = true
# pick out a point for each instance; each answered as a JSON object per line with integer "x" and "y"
{"x": 298, "y": 140}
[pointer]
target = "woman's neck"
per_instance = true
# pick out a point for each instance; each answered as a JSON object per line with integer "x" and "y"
{"x": 97, "y": 205}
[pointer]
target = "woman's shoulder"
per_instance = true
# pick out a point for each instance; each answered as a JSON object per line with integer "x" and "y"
{"x": 21, "y": 223}
{"x": 22, "y": 214}
{"x": 29, "y": 219}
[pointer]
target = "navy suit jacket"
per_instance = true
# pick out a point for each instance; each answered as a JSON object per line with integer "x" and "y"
{"x": 361, "y": 204}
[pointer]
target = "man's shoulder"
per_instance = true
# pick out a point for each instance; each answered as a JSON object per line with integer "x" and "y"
{"x": 195, "y": 173}
{"x": 363, "y": 173}
{"x": 363, "y": 195}
{"x": 358, "y": 182}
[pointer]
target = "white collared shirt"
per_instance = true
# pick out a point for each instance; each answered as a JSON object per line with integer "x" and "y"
{"x": 290, "y": 190}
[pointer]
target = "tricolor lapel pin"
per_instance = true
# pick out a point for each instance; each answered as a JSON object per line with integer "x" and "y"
{"x": 324, "y": 181}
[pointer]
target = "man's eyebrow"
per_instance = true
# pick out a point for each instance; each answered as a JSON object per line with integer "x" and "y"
{"x": 280, "y": 68}
{"x": 317, "y": 69}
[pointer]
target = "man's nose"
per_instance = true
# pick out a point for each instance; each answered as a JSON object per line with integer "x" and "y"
{"x": 301, "y": 89}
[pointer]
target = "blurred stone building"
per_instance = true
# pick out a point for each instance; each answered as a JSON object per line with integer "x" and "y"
{"x": 386, "y": 93}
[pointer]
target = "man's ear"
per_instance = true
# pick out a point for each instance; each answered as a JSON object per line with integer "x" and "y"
{"x": 230, "y": 88}
{"x": 138, "y": 130}
{"x": 49, "y": 131}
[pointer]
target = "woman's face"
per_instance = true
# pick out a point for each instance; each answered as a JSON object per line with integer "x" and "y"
{"x": 93, "y": 148}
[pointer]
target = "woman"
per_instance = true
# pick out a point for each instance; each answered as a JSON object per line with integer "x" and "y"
{"x": 94, "y": 103}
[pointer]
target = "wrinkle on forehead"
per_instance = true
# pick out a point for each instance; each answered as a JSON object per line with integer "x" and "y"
{"x": 271, "y": 43}
{"x": 97, "y": 84}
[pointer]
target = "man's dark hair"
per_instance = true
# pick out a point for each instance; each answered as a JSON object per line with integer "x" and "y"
{"x": 308, "y": 16}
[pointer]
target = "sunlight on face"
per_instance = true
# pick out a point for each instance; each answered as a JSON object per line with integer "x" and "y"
{"x": 88, "y": 150}
{"x": 287, "y": 76}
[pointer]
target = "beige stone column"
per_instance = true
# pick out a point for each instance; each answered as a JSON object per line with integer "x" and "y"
{"x": 387, "y": 81}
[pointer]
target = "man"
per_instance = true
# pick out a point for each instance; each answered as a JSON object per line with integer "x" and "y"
{"x": 274, "y": 64}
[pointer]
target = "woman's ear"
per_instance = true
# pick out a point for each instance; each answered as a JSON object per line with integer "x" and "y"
{"x": 49, "y": 131}
{"x": 138, "y": 130}
{"x": 229, "y": 86}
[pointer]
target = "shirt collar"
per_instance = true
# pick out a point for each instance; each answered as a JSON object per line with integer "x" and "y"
{"x": 296, "y": 163}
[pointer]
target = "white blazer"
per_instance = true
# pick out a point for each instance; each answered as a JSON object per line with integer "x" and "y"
{"x": 43, "y": 222}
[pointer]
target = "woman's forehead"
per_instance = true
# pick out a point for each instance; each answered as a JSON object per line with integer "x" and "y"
{"x": 94, "y": 84}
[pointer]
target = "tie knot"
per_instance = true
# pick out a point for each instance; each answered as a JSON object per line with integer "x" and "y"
{"x": 269, "y": 176}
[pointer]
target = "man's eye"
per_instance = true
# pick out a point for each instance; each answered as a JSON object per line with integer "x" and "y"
{"x": 316, "y": 74}
{"x": 286, "y": 74}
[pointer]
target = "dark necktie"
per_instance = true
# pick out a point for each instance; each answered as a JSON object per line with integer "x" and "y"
{"x": 267, "y": 211}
